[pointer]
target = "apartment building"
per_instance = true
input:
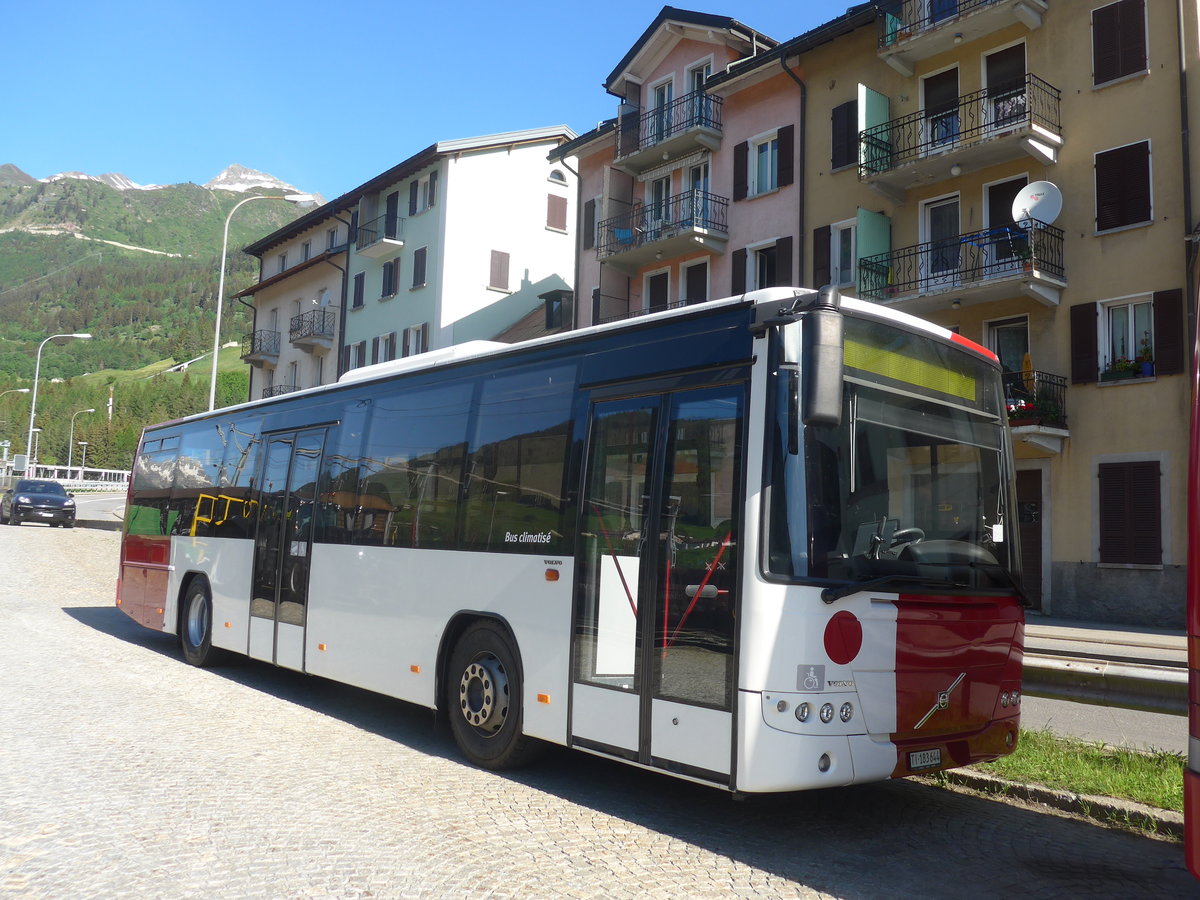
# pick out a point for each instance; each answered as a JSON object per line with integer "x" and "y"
{"x": 297, "y": 303}
{"x": 458, "y": 242}
{"x": 891, "y": 151}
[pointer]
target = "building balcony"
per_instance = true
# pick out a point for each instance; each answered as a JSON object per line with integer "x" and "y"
{"x": 380, "y": 237}
{"x": 260, "y": 347}
{"x": 976, "y": 267}
{"x": 312, "y": 331}
{"x": 693, "y": 220}
{"x": 914, "y": 30}
{"x": 691, "y": 123}
{"x": 1037, "y": 410}
{"x": 984, "y": 128}
{"x": 276, "y": 390}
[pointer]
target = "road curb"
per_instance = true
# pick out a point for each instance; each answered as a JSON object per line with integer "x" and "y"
{"x": 1103, "y": 810}
{"x": 98, "y": 524}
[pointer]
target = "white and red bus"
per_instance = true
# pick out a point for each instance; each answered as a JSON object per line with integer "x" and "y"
{"x": 1191, "y": 774}
{"x": 766, "y": 543}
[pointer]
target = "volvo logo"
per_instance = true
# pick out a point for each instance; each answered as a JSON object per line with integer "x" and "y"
{"x": 943, "y": 700}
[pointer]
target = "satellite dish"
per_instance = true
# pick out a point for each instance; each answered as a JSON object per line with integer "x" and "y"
{"x": 1040, "y": 200}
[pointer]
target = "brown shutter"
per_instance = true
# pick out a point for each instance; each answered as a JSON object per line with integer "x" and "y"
{"x": 418, "y": 267}
{"x": 1169, "y": 331}
{"x": 844, "y": 135}
{"x": 1084, "y": 352}
{"x": 424, "y": 336}
{"x": 432, "y": 197}
{"x": 414, "y": 191}
{"x": 1118, "y": 40}
{"x": 696, "y": 283}
{"x": 1123, "y": 186}
{"x": 738, "y": 281}
{"x": 1130, "y": 513}
{"x": 556, "y": 212}
{"x": 822, "y": 271}
{"x": 783, "y": 262}
{"x": 741, "y": 171}
{"x": 589, "y": 225}
{"x": 787, "y": 152}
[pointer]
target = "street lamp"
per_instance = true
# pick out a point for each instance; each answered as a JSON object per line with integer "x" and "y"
{"x": 37, "y": 434}
{"x": 83, "y": 460}
{"x": 71, "y": 440}
{"x": 304, "y": 199}
{"x": 37, "y": 370}
{"x": 15, "y": 391}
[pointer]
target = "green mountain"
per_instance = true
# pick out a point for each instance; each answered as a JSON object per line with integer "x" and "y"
{"x": 135, "y": 267}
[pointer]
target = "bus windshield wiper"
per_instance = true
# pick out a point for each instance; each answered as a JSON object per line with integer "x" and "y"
{"x": 837, "y": 592}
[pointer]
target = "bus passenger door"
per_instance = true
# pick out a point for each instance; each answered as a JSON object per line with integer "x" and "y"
{"x": 283, "y": 546}
{"x": 657, "y": 590}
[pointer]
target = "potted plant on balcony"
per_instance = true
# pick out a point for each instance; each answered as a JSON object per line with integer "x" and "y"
{"x": 1023, "y": 412}
{"x": 1145, "y": 357}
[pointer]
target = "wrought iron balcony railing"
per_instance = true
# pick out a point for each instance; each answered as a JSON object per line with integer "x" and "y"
{"x": 1036, "y": 398}
{"x": 975, "y": 117}
{"x": 635, "y": 313}
{"x": 260, "y": 343}
{"x": 647, "y": 129}
{"x": 963, "y": 259}
{"x": 382, "y": 228}
{"x": 691, "y": 210}
{"x": 277, "y": 389}
{"x": 901, "y": 19}
{"x": 316, "y": 323}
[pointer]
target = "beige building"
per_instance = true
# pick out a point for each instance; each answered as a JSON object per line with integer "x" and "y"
{"x": 892, "y": 151}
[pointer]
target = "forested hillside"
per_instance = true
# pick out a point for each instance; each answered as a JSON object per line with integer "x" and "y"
{"x": 138, "y": 270}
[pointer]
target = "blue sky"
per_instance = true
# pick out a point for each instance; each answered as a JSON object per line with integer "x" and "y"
{"x": 323, "y": 95}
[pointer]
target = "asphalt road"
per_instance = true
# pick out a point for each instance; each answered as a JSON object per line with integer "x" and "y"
{"x": 124, "y": 772}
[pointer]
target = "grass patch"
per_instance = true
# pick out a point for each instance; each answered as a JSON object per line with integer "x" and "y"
{"x": 1154, "y": 778}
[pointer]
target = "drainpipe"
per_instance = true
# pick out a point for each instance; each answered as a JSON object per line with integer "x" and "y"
{"x": 337, "y": 363}
{"x": 578, "y": 273}
{"x": 801, "y": 240}
{"x": 1192, "y": 237}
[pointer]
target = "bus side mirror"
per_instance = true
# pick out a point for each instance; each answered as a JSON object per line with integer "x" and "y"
{"x": 822, "y": 360}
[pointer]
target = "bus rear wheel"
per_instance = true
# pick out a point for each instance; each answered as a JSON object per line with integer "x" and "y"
{"x": 483, "y": 699}
{"x": 195, "y": 627}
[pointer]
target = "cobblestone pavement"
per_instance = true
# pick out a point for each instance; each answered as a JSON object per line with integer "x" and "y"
{"x": 126, "y": 773}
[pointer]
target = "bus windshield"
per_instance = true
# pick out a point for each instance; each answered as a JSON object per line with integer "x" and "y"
{"x": 914, "y": 482}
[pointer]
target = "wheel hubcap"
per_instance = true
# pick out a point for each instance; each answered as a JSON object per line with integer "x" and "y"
{"x": 483, "y": 694}
{"x": 197, "y": 623}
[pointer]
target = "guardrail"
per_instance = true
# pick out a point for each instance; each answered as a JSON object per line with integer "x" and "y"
{"x": 1156, "y": 689}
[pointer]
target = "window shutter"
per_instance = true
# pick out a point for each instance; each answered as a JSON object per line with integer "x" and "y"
{"x": 1123, "y": 186}
{"x": 822, "y": 268}
{"x": 374, "y": 350}
{"x": 346, "y": 359}
{"x": 741, "y": 172}
{"x": 844, "y": 137}
{"x": 498, "y": 276}
{"x": 406, "y": 346}
{"x": 739, "y": 272}
{"x": 589, "y": 225}
{"x": 1130, "y": 513}
{"x": 424, "y": 336}
{"x": 556, "y": 212}
{"x": 390, "y": 346}
{"x": 696, "y": 283}
{"x": 1118, "y": 40}
{"x": 433, "y": 188}
{"x": 414, "y": 192}
{"x": 783, "y": 262}
{"x": 1084, "y": 351}
{"x": 1169, "y": 329}
{"x": 787, "y": 152}
{"x": 418, "y": 267}
{"x": 1104, "y": 44}
{"x": 359, "y": 289}
{"x": 353, "y": 227}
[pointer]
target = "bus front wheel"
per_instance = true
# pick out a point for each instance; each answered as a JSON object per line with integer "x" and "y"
{"x": 483, "y": 699}
{"x": 195, "y": 627}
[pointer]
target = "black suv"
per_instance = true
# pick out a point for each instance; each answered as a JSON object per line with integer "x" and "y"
{"x": 35, "y": 500}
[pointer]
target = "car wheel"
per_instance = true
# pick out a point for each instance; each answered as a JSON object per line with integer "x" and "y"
{"x": 483, "y": 699}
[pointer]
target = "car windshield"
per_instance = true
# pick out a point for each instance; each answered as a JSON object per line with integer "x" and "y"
{"x": 41, "y": 487}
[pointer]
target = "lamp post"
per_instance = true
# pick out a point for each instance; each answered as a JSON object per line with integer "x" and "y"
{"x": 71, "y": 439}
{"x": 37, "y": 371}
{"x": 37, "y": 436}
{"x": 15, "y": 391}
{"x": 83, "y": 459}
{"x": 304, "y": 199}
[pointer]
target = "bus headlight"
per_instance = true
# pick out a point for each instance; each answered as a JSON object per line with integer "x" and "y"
{"x": 847, "y": 712}
{"x": 803, "y": 711}
{"x": 826, "y": 713}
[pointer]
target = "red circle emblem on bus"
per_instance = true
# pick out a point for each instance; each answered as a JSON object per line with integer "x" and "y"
{"x": 843, "y": 637}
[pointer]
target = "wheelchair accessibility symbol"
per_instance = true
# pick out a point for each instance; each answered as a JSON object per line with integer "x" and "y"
{"x": 810, "y": 678}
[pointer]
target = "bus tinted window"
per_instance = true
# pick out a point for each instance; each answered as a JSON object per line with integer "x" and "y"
{"x": 196, "y": 496}
{"x": 519, "y": 449}
{"x": 149, "y": 513}
{"x": 404, "y": 492}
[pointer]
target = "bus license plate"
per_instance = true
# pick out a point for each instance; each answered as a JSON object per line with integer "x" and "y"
{"x": 924, "y": 759}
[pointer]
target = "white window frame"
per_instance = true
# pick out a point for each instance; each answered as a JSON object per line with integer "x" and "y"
{"x": 1105, "y": 331}
{"x": 283, "y": 262}
{"x": 646, "y": 276}
{"x": 753, "y": 186}
{"x": 836, "y": 230}
{"x": 331, "y": 238}
{"x": 306, "y": 251}
{"x": 681, "y": 294}
{"x": 752, "y": 259}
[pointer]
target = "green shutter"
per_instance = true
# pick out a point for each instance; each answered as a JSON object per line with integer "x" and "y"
{"x": 875, "y": 141}
{"x": 874, "y": 248}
